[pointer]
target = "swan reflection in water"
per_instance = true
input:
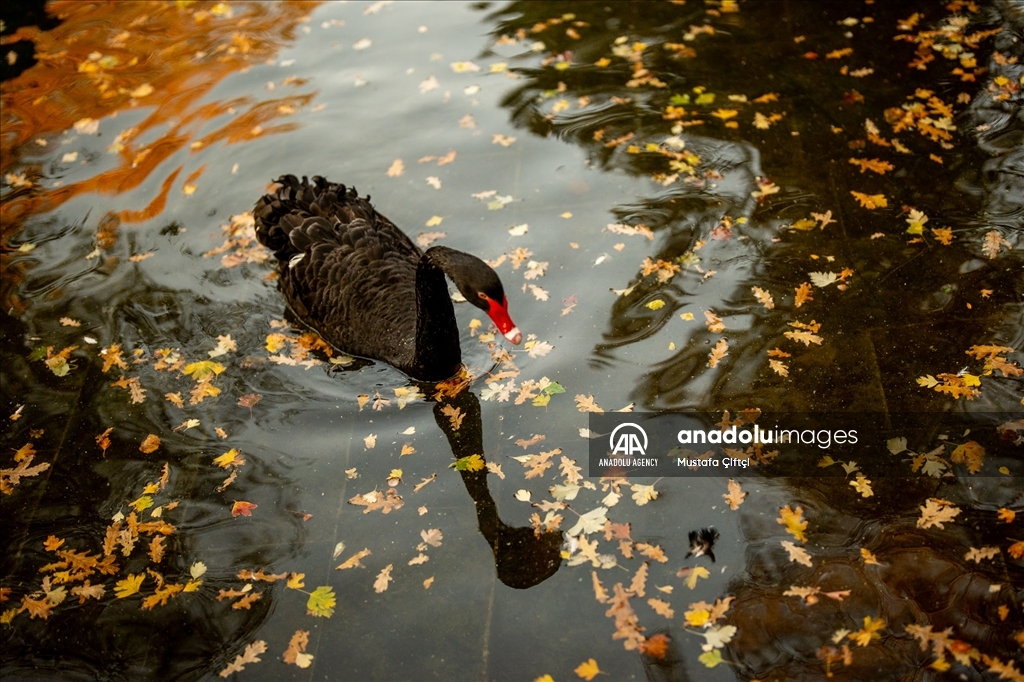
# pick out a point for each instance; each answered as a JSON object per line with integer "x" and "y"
{"x": 523, "y": 557}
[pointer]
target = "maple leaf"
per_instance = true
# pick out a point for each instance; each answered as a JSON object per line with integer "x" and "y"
{"x": 250, "y": 655}
{"x": 432, "y": 537}
{"x": 470, "y": 463}
{"x": 869, "y": 632}
{"x": 129, "y": 586}
{"x": 711, "y": 658}
{"x": 230, "y": 458}
{"x": 321, "y": 602}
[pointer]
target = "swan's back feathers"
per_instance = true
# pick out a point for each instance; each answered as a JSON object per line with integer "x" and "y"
{"x": 345, "y": 270}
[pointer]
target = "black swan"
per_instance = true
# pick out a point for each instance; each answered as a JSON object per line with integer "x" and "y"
{"x": 364, "y": 286}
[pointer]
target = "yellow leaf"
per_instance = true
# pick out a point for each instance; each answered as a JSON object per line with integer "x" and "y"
{"x": 870, "y": 201}
{"x": 724, "y": 113}
{"x": 295, "y": 580}
{"x": 588, "y": 670}
{"x": 203, "y": 369}
{"x": 869, "y": 632}
{"x": 321, "y": 602}
{"x": 129, "y": 586}
{"x": 695, "y": 575}
{"x": 434, "y": 221}
{"x": 794, "y": 522}
{"x": 697, "y": 618}
{"x": 276, "y": 342}
{"x": 711, "y": 658}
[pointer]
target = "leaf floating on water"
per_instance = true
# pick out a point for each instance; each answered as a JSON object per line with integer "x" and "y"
{"x": 250, "y": 655}
{"x": 937, "y": 512}
{"x": 870, "y": 201}
{"x": 720, "y": 350}
{"x": 803, "y": 294}
{"x": 380, "y": 584}
{"x": 321, "y": 602}
{"x": 587, "y": 670}
{"x": 823, "y": 279}
{"x": 242, "y": 508}
{"x": 396, "y": 168}
{"x": 735, "y": 497}
{"x": 295, "y": 653}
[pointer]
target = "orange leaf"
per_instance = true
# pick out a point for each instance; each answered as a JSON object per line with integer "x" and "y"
{"x": 242, "y": 508}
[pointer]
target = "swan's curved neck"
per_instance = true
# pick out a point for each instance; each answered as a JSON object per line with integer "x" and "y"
{"x": 438, "y": 355}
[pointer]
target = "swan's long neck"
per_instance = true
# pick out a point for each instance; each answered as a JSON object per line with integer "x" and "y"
{"x": 438, "y": 355}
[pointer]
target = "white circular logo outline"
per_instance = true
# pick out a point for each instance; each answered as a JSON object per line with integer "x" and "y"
{"x": 611, "y": 438}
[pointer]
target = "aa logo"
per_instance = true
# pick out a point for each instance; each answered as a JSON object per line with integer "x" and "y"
{"x": 628, "y": 439}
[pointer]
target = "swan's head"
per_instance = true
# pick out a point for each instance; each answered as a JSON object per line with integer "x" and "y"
{"x": 480, "y": 285}
{"x": 498, "y": 312}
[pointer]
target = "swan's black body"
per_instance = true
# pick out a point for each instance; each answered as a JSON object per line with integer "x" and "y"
{"x": 364, "y": 286}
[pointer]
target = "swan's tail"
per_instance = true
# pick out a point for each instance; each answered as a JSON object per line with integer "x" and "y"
{"x": 291, "y": 207}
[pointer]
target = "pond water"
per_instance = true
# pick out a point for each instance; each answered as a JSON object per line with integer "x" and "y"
{"x": 693, "y": 206}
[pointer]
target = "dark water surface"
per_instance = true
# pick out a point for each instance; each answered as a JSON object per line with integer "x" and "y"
{"x": 681, "y": 177}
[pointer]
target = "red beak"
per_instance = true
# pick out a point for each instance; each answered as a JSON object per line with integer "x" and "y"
{"x": 499, "y": 313}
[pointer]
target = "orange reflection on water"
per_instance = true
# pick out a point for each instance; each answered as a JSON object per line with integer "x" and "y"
{"x": 109, "y": 57}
